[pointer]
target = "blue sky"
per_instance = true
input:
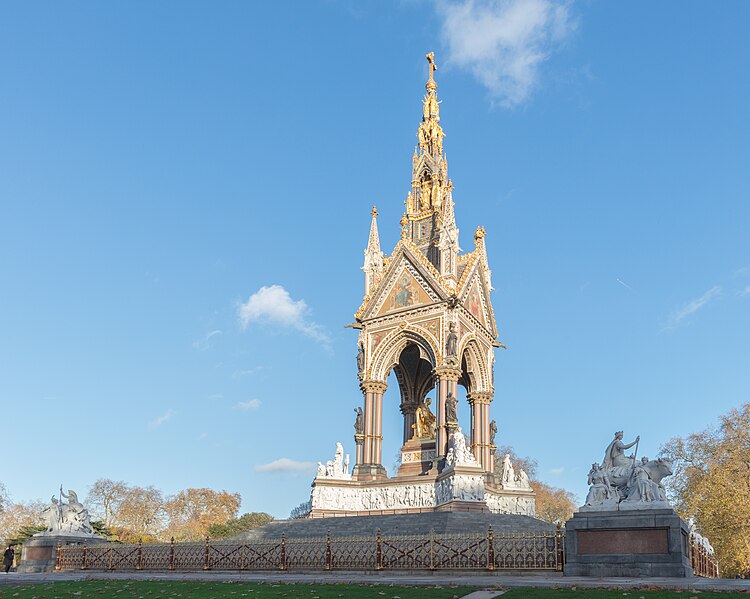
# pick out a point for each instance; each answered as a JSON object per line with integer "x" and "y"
{"x": 162, "y": 163}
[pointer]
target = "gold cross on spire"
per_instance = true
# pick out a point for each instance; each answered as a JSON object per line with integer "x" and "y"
{"x": 431, "y": 85}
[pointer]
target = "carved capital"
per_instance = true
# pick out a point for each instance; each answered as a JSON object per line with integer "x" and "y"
{"x": 479, "y": 397}
{"x": 447, "y": 373}
{"x": 371, "y": 386}
{"x": 359, "y": 438}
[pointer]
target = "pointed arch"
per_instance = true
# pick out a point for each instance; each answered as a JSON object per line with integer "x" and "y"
{"x": 387, "y": 354}
{"x": 476, "y": 370}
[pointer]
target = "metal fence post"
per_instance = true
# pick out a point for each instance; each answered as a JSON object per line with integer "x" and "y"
{"x": 329, "y": 554}
{"x": 378, "y": 551}
{"x": 171, "y": 553}
{"x": 283, "y": 552}
{"x": 206, "y": 561}
{"x": 139, "y": 563}
{"x": 85, "y": 552}
{"x": 560, "y": 549}
{"x": 432, "y": 549}
{"x": 58, "y": 556}
{"x": 490, "y": 550}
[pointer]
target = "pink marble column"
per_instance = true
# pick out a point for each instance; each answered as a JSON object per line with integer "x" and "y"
{"x": 480, "y": 429}
{"x": 377, "y": 433}
{"x": 447, "y": 381}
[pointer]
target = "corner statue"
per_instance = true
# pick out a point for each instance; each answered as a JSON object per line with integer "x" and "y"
{"x": 66, "y": 518}
{"x": 615, "y": 454}
{"x": 621, "y": 482}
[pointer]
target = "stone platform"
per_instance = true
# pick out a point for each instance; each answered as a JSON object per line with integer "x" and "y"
{"x": 627, "y": 543}
{"x": 39, "y": 553}
{"x": 397, "y": 524}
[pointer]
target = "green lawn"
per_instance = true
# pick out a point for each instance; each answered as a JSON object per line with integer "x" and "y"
{"x": 218, "y": 590}
{"x": 606, "y": 594}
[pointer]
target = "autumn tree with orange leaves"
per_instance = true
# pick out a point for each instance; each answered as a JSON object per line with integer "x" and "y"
{"x": 711, "y": 484}
{"x": 192, "y": 512}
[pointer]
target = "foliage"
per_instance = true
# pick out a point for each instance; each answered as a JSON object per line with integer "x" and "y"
{"x": 3, "y": 496}
{"x": 553, "y": 504}
{"x": 105, "y": 497}
{"x": 711, "y": 483}
{"x": 140, "y": 511}
{"x": 102, "y": 529}
{"x": 239, "y": 525}
{"x": 191, "y": 512}
{"x": 527, "y": 464}
{"x": 16, "y": 516}
{"x": 205, "y": 590}
{"x": 25, "y": 532}
{"x": 301, "y": 511}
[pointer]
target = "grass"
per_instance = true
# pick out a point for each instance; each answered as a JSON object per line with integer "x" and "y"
{"x": 148, "y": 589}
{"x": 615, "y": 594}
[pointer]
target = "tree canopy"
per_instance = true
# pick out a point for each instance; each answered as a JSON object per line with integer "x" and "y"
{"x": 711, "y": 485}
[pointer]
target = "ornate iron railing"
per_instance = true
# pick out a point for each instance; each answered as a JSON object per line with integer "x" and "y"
{"x": 703, "y": 561}
{"x": 491, "y": 551}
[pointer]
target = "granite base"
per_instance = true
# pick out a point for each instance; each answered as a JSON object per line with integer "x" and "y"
{"x": 636, "y": 543}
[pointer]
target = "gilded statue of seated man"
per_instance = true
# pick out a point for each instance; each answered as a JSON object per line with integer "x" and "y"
{"x": 424, "y": 427}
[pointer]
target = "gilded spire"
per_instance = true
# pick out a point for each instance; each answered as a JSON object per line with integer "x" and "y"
{"x": 373, "y": 256}
{"x": 373, "y": 243}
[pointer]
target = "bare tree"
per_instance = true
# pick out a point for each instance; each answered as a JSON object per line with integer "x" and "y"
{"x": 105, "y": 497}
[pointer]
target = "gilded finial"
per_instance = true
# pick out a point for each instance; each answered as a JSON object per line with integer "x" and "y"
{"x": 404, "y": 221}
{"x": 374, "y": 211}
{"x": 431, "y": 85}
{"x": 479, "y": 233}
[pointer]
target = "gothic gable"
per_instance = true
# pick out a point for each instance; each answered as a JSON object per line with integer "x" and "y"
{"x": 407, "y": 284}
{"x": 475, "y": 299}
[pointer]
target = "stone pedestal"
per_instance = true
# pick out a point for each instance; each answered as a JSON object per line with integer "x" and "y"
{"x": 39, "y": 554}
{"x": 417, "y": 457}
{"x": 632, "y": 543}
{"x": 370, "y": 472}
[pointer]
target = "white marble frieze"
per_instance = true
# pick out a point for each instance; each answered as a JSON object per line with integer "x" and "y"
{"x": 511, "y": 504}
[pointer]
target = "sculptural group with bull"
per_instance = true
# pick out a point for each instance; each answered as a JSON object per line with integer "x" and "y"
{"x": 622, "y": 479}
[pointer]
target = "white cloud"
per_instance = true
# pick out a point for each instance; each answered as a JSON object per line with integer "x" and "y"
{"x": 556, "y": 471}
{"x": 205, "y": 343}
{"x": 159, "y": 420}
{"x": 274, "y": 305}
{"x": 285, "y": 465}
{"x": 251, "y": 404}
{"x": 744, "y": 292}
{"x": 215, "y": 397}
{"x": 504, "y": 42}
{"x": 238, "y": 374}
{"x": 691, "y": 307}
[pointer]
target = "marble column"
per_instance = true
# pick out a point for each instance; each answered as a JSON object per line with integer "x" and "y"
{"x": 372, "y": 437}
{"x": 446, "y": 382}
{"x": 480, "y": 429}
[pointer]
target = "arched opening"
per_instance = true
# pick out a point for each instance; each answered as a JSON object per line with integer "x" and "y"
{"x": 410, "y": 382}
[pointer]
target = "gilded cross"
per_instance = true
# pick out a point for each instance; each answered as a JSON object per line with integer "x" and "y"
{"x": 431, "y": 59}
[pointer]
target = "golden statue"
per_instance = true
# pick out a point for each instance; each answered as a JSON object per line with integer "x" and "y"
{"x": 436, "y": 200}
{"x": 424, "y": 427}
{"x": 424, "y": 195}
{"x": 421, "y": 134}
